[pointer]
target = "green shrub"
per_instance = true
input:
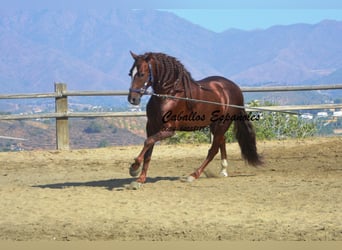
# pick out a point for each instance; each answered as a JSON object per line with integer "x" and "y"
{"x": 93, "y": 128}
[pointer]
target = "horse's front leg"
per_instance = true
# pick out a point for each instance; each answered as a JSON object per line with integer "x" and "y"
{"x": 145, "y": 155}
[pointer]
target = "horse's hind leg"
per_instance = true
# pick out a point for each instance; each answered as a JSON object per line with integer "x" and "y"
{"x": 217, "y": 141}
{"x": 224, "y": 162}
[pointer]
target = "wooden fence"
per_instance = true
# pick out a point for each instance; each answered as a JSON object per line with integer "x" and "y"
{"x": 62, "y": 113}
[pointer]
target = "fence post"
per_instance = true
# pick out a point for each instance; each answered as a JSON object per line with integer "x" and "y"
{"x": 62, "y": 125}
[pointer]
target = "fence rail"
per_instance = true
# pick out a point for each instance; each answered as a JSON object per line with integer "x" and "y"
{"x": 62, "y": 114}
{"x": 124, "y": 92}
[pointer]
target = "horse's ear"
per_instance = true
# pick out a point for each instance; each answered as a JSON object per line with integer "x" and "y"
{"x": 133, "y": 55}
{"x": 148, "y": 57}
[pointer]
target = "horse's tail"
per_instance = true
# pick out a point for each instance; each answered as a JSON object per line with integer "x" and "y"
{"x": 245, "y": 134}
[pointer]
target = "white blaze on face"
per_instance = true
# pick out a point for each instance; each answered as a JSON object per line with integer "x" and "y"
{"x": 134, "y": 72}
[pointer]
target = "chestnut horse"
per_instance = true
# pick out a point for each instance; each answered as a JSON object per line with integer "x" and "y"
{"x": 178, "y": 102}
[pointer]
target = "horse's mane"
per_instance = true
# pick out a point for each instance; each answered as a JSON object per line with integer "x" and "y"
{"x": 170, "y": 72}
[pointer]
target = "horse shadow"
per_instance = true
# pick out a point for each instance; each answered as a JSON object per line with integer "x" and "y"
{"x": 110, "y": 184}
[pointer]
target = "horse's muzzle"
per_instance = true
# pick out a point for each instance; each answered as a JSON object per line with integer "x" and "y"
{"x": 134, "y": 98}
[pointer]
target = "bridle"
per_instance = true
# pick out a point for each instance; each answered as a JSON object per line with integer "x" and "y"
{"x": 143, "y": 90}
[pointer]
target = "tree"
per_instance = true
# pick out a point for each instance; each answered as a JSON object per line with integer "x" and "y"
{"x": 103, "y": 143}
{"x": 93, "y": 128}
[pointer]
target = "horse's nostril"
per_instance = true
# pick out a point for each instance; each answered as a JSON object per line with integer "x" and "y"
{"x": 134, "y": 100}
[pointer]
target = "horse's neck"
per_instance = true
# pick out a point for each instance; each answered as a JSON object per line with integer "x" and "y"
{"x": 167, "y": 87}
{"x": 178, "y": 83}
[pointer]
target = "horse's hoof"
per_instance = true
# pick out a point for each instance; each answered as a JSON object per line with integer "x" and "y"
{"x": 223, "y": 173}
{"x": 134, "y": 172}
{"x": 135, "y": 185}
{"x": 189, "y": 178}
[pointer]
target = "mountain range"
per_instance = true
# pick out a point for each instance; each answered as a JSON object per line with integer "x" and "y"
{"x": 90, "y": 50}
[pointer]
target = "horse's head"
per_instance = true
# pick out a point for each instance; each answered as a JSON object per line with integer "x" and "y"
{"x": 142, "y": 77}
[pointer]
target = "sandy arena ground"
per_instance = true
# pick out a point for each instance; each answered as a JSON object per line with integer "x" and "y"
{"x": 80, "y": 194}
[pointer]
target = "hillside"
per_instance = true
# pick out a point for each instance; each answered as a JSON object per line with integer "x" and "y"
{"x": 84, "y": 133}
{"x": 89, "y": 50}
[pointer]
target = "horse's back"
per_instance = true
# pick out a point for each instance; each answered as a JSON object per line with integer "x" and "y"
{"x": 227, "y": 85}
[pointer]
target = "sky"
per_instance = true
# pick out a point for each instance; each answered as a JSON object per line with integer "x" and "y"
{"x": 219, "y": 20}
{"x": 215, "y": 15}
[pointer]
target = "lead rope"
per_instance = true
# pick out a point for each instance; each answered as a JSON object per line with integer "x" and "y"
{"x": 217, "y": 103}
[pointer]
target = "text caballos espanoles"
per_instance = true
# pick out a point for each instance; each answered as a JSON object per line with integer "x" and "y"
{"x": 214, "y": 117}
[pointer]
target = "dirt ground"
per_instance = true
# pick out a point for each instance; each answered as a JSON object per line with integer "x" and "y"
{"x": 80, "y": 194}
